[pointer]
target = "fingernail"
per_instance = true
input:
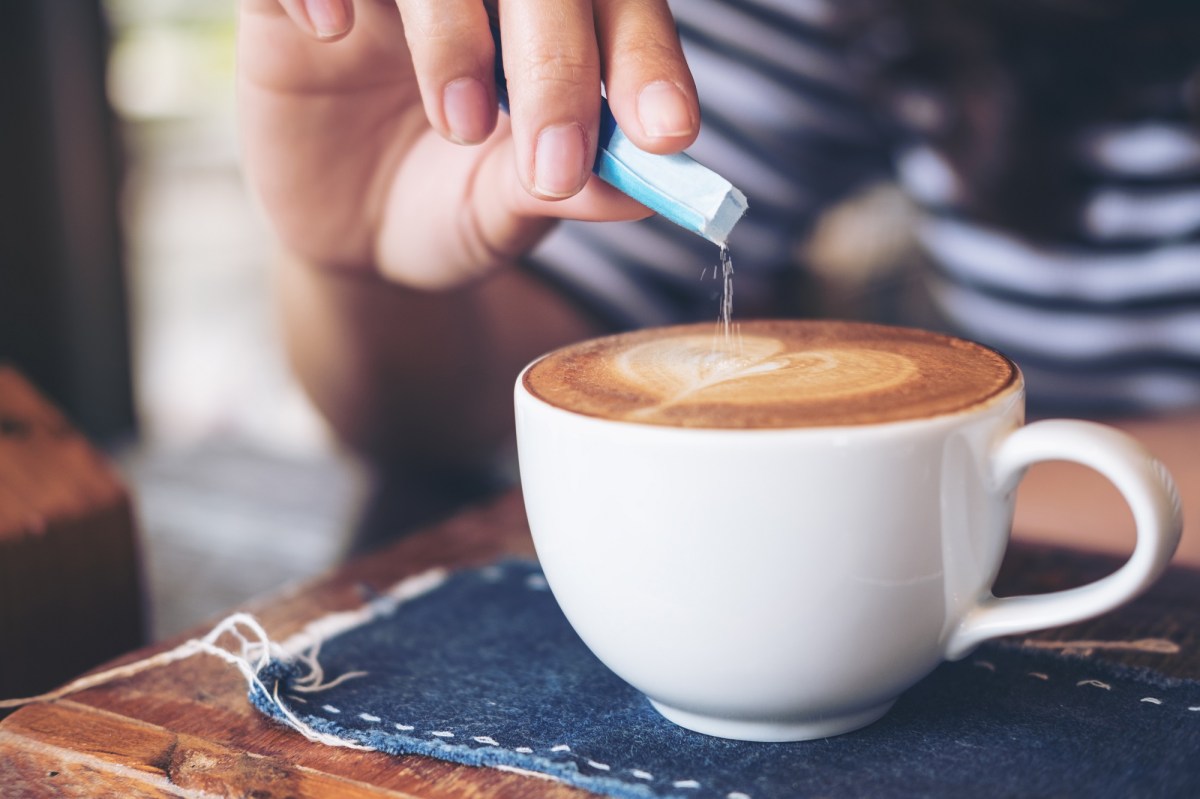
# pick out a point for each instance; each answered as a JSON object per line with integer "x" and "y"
{"x": 559, "y": 167}
{"x": 329, "y": 18}
{"x": 663, "y": 110}
{"x": 468, "y": 113}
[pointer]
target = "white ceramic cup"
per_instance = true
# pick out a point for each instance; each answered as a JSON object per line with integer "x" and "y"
{"x": 788, "y": 584}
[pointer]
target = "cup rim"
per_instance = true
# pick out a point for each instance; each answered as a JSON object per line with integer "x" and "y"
{"x": 1015, "y": 390}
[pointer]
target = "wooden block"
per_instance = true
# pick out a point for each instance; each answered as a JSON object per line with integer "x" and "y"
{"x": 70, "y": 584}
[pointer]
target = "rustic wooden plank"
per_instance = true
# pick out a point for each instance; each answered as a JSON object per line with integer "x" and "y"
{"x": 35, "y": 773}
{"x": 123, "y": 755}
{"x": 70, "y": 586}
{"x": 47, "y": 747}
{"x": 206, "y": 699}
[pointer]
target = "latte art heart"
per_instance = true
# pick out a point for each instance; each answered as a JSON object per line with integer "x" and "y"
{"x": 774, "y": 374}
{"x": 753, "y": 369}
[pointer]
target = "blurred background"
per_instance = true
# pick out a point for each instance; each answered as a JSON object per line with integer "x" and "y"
{"x": 237, "y": 483}
{"x": 134, "y": 292}
{"x": 135, "y": 276}
{"x": 136, "y": 271}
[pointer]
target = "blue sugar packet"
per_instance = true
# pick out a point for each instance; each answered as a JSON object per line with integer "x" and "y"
{"x": 675, "y": 186}
{"x": 480, "y": 667}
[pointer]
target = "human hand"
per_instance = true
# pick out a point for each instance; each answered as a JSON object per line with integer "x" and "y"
{"x": 354, "y": 117}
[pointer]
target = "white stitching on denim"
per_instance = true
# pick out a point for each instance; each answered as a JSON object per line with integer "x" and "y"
{"x": 1092, "y": 682}
{"x": 524, "y": 772}
{"x": 330, "y": 709}
{"x": 369, "y": 717}
{"x": 1156, "y": 645}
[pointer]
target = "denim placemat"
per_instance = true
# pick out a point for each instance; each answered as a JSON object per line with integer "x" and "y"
{"x": 483, "y": 669}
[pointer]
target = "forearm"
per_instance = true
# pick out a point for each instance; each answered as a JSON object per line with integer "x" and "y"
{"x": 409, "y": 377}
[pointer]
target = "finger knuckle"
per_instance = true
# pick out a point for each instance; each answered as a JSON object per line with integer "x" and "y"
{"x": 648, "y": 54}
{"x": 566, "y": 67}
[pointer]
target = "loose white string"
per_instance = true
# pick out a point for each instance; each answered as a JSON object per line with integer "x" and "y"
{"x": 256, "y": 651}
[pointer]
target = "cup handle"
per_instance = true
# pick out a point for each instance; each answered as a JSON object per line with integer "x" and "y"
{"x": 1146, "y": 487}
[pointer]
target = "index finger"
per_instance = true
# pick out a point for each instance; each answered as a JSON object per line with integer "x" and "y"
{"x": 453, "y": 56}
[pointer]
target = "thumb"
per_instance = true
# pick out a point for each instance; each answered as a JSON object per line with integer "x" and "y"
{"x": 328, "y": 20}
{"x": 472, "y": 218}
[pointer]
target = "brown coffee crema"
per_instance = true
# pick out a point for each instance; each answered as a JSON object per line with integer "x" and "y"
{"x": 772, "y": 374}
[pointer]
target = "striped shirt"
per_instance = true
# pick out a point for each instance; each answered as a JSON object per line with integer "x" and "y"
{"x": 1105, "y": 317}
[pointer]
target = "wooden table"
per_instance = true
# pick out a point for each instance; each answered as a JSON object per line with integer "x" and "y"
{"x": 68, "y": 547}
{"x": 187, "y": 728}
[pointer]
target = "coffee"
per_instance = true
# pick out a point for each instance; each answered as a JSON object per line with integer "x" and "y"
{"x": 771, "y": 374}
{"x": 790, "y": 583}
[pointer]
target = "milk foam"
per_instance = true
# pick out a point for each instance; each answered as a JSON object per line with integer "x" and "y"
{"x": 770, "y": 374}
{"x": 752, "y": 369}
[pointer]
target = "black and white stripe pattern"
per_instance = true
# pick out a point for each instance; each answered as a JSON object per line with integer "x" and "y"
{"x": 1108, "y": 320}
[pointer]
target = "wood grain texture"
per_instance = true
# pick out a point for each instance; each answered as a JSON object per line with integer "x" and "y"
{"x": 187, "y": 729}
{"x": 154, "y": 760}
{"x": 203, "y": 699}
